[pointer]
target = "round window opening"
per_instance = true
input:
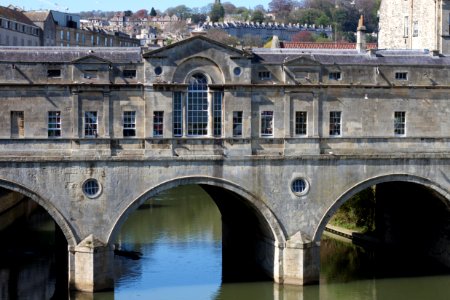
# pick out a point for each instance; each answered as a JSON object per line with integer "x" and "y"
{"x": 91, "y": 188}
{"x": 300, "y": 186}
{"x": 158, "y": 70}
{"x": 237, "y": 71}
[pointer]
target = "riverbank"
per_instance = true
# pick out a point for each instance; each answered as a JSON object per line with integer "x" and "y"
{"x": 350, "y": 235}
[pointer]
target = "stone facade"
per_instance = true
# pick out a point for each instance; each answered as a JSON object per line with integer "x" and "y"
{"x": 242, "y": 124}
{"x": 415, "y": 24}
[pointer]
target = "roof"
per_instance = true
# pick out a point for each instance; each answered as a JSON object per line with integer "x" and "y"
{"x": 69, "y": 54}
{"x": 15, "y": 15}
{"x": 351, "y": 57}
{"x": 38, "y": 16}
{"x": 324, "y": 45}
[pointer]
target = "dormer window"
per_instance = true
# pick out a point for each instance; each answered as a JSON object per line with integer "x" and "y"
{"x": 334, "y": 76}
{"x": 54, "y": 73}
{"x": 401, "y": 75}
{"x": 90, "y": 74}
{"x": 264, "y": 75}
{"x": 129, "y": 74}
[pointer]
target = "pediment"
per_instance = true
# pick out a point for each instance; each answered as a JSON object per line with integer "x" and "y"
{"x": 193, "y": 45}
{"x": 91, "y": 59}
{"x": 304, "y": 60}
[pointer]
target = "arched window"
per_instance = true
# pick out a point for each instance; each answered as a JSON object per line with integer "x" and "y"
{"x": 197, "y": 106}
{"x": 199, "y": 111}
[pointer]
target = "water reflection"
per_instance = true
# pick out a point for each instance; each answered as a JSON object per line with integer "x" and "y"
{"x": 179, "y": 236}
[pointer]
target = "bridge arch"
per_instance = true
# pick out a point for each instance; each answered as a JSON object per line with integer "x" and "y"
{"x": 445, "y": 194}
{"x": 261, "y": 209}
{"x": 47, "y": 205}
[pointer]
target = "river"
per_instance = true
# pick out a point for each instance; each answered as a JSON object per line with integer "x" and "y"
{"x": 178, "y": 234}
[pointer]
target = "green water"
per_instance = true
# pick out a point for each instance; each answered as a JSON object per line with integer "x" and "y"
{"x": 179, "y": 236}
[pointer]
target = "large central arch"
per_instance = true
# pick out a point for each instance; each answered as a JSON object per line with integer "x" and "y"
{"x": 371, "y": 182}
{"x": 273, "y": 234}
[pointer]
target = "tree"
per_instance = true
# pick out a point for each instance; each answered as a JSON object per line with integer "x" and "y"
{"x": 258, "y": 16}
{"x": 217, "y": 12}
{"x": 140, "y": 14}
{"x": 282, "y": 8}
{"x": 229, "y": 8}
{"x": 222, "y": 37}
{"x": 128, "y": 13}
{"x": 153, "y": 12}
{"x": 198, "y": 18}
{"x": 303, "y": 36}
{"x": 181, "y": 11}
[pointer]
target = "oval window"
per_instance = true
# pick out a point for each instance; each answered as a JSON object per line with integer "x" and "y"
{"x": 299, "y": 186}
{"x": 158, "y": 70}
{"x": 91, "y": 188}
{"x": 237, "y": 71}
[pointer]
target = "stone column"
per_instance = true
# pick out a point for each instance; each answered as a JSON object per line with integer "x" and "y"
{"x": 316, "y": 115}
{"x": 301, "y": 262}
{"x": 75, "y": 114}
{"x": 106, "y": 113}
{"x": 91, "y": 266}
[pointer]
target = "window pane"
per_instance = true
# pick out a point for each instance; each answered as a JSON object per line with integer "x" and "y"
{"x": 54, "y": 124}
{"x": 267, "y": 123}
{"x": 217, "y": 112}
{"x": 237, "y": 123}
{"x": 335, "y": 123}
{"x": 129, "y": 123}
{"x": 158, "y": 123}
{"x": 197, "y": 106}
{"x": 90, "y": 124}
{"x": 300, "y": 122}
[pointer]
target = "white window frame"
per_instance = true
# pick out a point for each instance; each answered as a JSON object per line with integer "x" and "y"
{"x": 90, "y": 124}
{"x": 266, "y": 123}
{"x": 238, "y": 117}
{"x": 129, "y": 123}
{"x": 158, "y": 123}
{"x": 335, "y": 128}
{"x": 197, "y": 106}
{"x": 54, "y": 124}
{"x": 399, "y": 123}
{"x": 301, "y": 123}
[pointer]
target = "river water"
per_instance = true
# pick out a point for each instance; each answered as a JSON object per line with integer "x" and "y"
{"x": 178, "y": 234}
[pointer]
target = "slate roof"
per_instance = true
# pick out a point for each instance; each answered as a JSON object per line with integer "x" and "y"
{"x": 69, "y": 54}
{"x": 15, "y": 15}
{"x": 351, "y": 57}
{"x": 37, "y": 16}
{"x": 325, "y": 45}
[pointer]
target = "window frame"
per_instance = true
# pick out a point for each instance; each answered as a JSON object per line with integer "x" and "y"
{"x": 335, "y": 123}
{"x": 401, "y": 75}
{"x": 399, "y": 123}
{"x": 266, "y": 123}
{"x": 129, "y": 123}
{"x": 90, "y": 128}
{"x": 54, "y": 124}
{"x": 238, "y": 123}
{"x": 158, "y": 123}
{"x": 301, "y": 123}
{"x": 335, "y": 75}
{"x": 197, "y": 106}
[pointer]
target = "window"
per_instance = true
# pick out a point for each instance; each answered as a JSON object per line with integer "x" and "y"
{"x": 416, "y": 28}
{"x": 299, "y": 186}
{"x": 68, "y": 35}
{"x": 401, "y": 75}
{"x": 129, "y": 73}
{"x": 158, "y": 70}
{"x": 334, "y": 75}
{"x": 177, "y": 114}
{"x": 197, "y": 106}
{"x": 237, "y": 71}
{"x": 53, "y": 73}
{"x": 217, "y": 113}
{"x": 300, "y": 122}
{"x": 129, "y": 123}
{"x": 90, "y": 124}
{"x": 406, "y": 26}
{"x": 90, "y": 74}
{"x": 399, "y": 122}
{"x": 17, "y": 124}
{"x": 62, "y": 35}
{"x": 335, "y": 123}
{"x": 158, "y": 123}
{"x": 237, "y": 123}
{"x": 54, "y": 124}
{"x": 267, "y": 123}
{"x": 91, "y": 188}
{"x": 264, "y": 75}
{"x": 77, "y": 37}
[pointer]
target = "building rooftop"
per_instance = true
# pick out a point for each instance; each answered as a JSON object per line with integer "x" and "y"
{"x": 37, "y": 15}
{"x": 15, "y": 15}
{"x": 325, "y": 45}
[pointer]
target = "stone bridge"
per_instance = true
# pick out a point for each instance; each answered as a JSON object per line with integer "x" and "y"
{"x": 279, "y": 139}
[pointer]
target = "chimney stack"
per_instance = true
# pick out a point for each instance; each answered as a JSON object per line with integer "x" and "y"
{"x": 361, "y": 35}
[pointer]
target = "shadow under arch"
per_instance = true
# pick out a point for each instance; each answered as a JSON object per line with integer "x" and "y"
{"x": 51, "y": 210}
{"x": 219, "y": 189}
{"x": 371, "y": 182}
